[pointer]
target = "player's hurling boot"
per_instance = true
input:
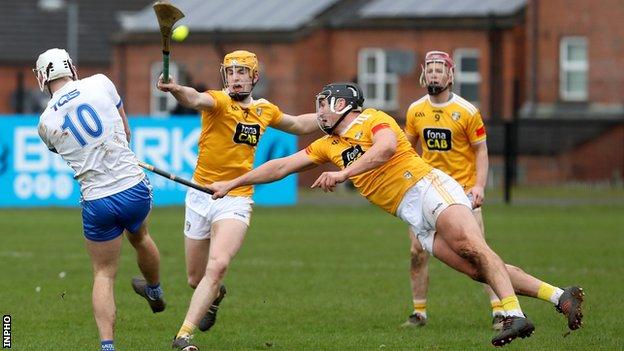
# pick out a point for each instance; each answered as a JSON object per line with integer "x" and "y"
{"x": 183, "y": 343}
{"x": 415, "y": 320}
{"x": 211, "y": 316}
{"x": 513, "y": 327}
{"x": 139, "y": 285}
{"x": 497, "y": 322}
{"x": 570, "y": 305}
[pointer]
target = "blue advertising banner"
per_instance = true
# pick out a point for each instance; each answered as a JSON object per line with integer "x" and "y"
{"x": 32, "y": 176}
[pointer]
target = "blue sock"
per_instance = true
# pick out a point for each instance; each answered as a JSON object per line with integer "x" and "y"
{"x": 107, "y": 345}
{"x": 154, "y": 292}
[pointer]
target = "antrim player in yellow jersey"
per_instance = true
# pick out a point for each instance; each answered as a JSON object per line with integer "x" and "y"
{"x": 232, "y": 125}
{"x": 452, "y": 139}
{"x": 372, "y": 151}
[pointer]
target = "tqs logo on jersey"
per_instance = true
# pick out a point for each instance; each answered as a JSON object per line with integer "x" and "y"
{"x": 247, "y": 134}
{"x": 66, "y": 98}
{"x": 438, "y": 139}
{"x": 351, "y": 154}
{"x": 420, "y": 114}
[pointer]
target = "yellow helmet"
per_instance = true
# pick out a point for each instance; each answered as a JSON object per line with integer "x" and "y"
{"x": 241, "y": 58}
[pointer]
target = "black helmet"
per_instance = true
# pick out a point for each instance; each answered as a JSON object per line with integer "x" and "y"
{"x": 350, "y": 92}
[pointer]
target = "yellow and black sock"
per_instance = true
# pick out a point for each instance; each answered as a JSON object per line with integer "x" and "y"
{"x": 187, "y": 329}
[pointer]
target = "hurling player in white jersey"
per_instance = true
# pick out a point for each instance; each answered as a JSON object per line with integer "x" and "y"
{"x": 85, "y": 123}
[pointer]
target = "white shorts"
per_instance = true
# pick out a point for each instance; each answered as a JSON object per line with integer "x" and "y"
{"x": 202, "y": 211}
{"x": 423, "y": 203}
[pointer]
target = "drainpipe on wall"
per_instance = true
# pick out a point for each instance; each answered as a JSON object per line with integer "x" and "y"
{"x": 20, "y": 93}
{"x": 534, "y": 56}
{"x": 495, "y": 69}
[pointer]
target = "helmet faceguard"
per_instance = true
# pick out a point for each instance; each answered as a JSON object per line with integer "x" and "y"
{"x": 53, "y": 64}
{"x": 238, "y": 71}
{"x": 441, "y": 57}
{"x": 331, "y": 93}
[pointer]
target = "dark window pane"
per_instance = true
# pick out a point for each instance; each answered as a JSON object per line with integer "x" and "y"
{"x": 469, "y": 64}
{"x": 469, "y": 91}
{"x": 577, "y": 52}
{"x": 371, "y": 64}
{"x": 577, "y": 82}
{"x": 370, "y": 90}
{"x": 390, "y": 92}
{"x": 162, "y": 103}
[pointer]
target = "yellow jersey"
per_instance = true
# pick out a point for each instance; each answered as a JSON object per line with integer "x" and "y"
{"x": 447, "y": 133}
{"x": 385, "y": 185}
{"x": 229, "y": 137}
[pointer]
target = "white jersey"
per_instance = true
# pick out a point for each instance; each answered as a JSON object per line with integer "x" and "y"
{"x": 82, "y": 124}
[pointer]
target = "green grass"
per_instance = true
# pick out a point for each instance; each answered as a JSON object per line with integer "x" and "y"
{"x": 316, "y": 278}
{"x": 562, "y": 194}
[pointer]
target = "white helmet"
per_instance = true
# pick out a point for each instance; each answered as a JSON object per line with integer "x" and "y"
{"x": 54, "y": 64}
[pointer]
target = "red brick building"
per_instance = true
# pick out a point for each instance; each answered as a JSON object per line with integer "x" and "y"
{"x": 552, "y": 66}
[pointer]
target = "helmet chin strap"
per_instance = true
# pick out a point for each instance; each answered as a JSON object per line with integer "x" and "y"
{"x": 239, "y": 96}
{"x": 330, "y": 130}
{"x": 434, "y": 89}
{"x": 242, "y": 96}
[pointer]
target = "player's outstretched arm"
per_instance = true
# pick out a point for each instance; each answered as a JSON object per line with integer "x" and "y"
{"x": 268, "y": 172}
{"x": 384, "y": 147}
{"x": 301, "y": 124}
{"x": 186, "y": 96}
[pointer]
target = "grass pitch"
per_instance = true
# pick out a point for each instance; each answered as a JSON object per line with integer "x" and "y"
{"x": 312, "y": 277}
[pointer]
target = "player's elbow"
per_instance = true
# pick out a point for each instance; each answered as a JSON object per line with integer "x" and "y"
{"x": 270, "y": 171}
{"x": 388, "y": 150}
{"x": 194, "y": 103}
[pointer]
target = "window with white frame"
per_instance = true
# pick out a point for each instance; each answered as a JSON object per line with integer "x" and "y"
{"x": 467, "y": 77}
{"x": 378, "y": 82}
{"x": 162, "y": 103}
{"x": 573, "y": 68}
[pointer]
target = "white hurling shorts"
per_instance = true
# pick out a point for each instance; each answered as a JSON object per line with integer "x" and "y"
{"x": 423, "y": 203}
{"x": 202, "y": 211}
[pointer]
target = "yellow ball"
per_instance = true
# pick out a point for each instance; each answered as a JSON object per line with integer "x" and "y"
{"x": 180, "y": 33}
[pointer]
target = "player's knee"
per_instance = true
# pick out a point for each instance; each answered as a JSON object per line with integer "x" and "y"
{"x": 477, "y": 275}
{"x": 418, "y": 256}
{"x": 216, "y": 268}
{"x": 136, "y": 239}
{"x": 471, "y": 253}
{"x": 194, "y": 275}
{"x": 511, "y": 268}
{"x": 193, "y": 280}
